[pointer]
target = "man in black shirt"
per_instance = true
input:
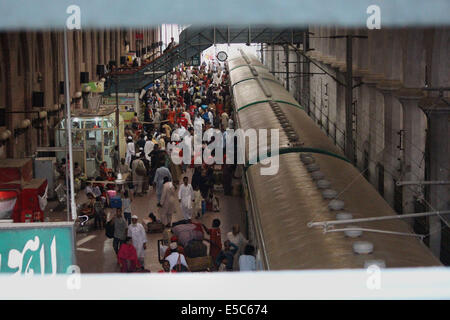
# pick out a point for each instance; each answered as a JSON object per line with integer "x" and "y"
{"x": 141, "y": 142}
{"x": 155, "y": 157}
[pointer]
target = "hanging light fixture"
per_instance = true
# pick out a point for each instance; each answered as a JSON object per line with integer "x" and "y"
{"x": 4, "y": 136}
{"x": 23, "y": 126}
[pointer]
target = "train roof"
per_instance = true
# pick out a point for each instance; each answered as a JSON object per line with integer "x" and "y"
{"x": 284, "y": 204}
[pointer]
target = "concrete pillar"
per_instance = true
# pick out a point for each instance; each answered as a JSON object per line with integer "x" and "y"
{"x": 272, "y": 53}
{"x": 305, "y": 79}
{"x": 27, "y": 41}
{"x": 330, "y": 52}
{"x": 314, "y": 43}
{"x": 112, "y": 46}
{"x": 75, "y": 82}
{"x": 393, "y": 112}
{"x": 325, "y": 47}
{"x": 438, "y": 113}
{"x": 340, "y": 115}
{"x": 413, "y": 143}
{"x": 361, "y": 55}
{"x": 107, "y": 47}
{"x": 413, "y": 118}
{"x": 440, "y": 75}
{"x": 392, "y": 126}
{"x": 376, "y": 105}
{"x": 332, "y": 100}
{"x": 361, "y": 93}
{"x": 320, "y": 52}
{"x": 117, "y": 45}
{"x": 101, "y": 47}
{"x": 332, "y": 44}
{"x": 339, "y": 64}
{"x": 340, "y": 48}
{"x": 88, "y": 59}
{"x": 94, "y": 55}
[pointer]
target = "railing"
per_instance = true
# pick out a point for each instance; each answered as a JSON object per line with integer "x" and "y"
{"x": 147, "y": 62}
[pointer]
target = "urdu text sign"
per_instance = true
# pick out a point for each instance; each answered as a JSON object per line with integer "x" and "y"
{"x": 36, "y": 248}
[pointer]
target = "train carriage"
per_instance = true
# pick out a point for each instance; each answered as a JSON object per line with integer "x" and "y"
{"x": 315, "y": 182}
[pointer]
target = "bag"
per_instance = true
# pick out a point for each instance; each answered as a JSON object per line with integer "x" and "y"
{"x": 195, "y": 249}
{"x": 111, "y": 193}
{"x": 180, "y": 267}
{"x": 140, "y": 169}
{"x": 116, "y": 202}
{"x": 109, "y": 229}
{"x": 155, "y": 227}
{"x": 199, "y": 264}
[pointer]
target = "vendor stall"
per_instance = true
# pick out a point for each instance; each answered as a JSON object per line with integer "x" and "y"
{"x": 22, "y": 198}
{"x": 96, "y": 135}
{"x": 23, "y": 201}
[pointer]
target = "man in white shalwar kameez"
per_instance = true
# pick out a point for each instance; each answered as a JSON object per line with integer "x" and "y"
{"x": 217, "y": 78}
{"x": 148, "y": 147}
{"x": 186, "y": 197}
{"x": 137, "y": 233}
{"x": 130, "y": 150}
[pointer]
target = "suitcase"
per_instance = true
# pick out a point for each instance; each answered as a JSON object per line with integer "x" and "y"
{"x": 111, "y": 193}
{"x": 115, "y": 202}
{"x": 199, "y": 264}
{"x": 155, "y": 227}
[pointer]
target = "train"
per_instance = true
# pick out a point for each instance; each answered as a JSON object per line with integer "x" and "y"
{"x": 318, "y": 211}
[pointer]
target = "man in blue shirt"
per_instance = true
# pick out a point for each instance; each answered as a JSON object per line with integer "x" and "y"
{"x": 205, "y": 117}
{"x": 226, "y": 255}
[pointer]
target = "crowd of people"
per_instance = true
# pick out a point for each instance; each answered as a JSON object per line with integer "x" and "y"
{"x": 187, "y": 98}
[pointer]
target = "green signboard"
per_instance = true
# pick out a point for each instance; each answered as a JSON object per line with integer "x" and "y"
{"x": 36, "y": 248}
{"x": 96, "y": 86}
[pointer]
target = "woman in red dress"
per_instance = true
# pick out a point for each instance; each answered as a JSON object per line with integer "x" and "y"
{"x": 171, "y": 116}
{"x": 127, "y": 257}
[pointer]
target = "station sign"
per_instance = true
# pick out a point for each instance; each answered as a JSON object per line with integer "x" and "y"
{"x": 36, "y": 248}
